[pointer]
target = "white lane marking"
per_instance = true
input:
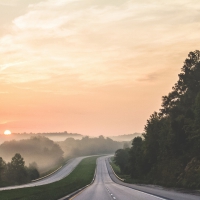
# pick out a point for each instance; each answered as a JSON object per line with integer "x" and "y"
{"x": 152, "y": 195}
{"x": 111, "y": 193}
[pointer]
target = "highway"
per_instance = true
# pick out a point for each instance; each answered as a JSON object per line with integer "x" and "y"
{"x": 105, "y": 188}
{"x": 60, "y": 174}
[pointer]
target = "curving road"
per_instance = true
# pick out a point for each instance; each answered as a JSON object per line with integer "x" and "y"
{"x": 105, "y": 188}
{"x": 60, "y": 174}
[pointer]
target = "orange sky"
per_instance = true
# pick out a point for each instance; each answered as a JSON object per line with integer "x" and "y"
{"x": 90, "y": 67}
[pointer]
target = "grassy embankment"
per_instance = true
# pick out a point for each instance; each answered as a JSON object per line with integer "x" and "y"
{"x": 81, "y": 176}
{"x": 117, "y": 171}
{"x": 127, "y": 178}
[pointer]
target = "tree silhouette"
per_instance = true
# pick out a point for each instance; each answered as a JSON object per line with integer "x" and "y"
{"x": 17, "y": 170}
{"x": 168, "y": 153}
{"x": 2, "y": 168}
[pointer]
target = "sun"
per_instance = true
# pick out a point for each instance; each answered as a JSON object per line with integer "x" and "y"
{"x": 7, "y": 132}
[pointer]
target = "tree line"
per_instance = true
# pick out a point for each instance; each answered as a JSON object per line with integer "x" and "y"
{"x": 15, "y": 172}
{"x": 168, "y": 151}
{"x": 46, "y": 153}
{"x": 89, "y": 146}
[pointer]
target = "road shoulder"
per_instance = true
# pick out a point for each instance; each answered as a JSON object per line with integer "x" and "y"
{"x": 161, "y": 192}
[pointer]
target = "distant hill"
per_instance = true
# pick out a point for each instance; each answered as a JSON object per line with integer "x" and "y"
{"x": 55, "y": 136}
{"x": 127, "y": 137}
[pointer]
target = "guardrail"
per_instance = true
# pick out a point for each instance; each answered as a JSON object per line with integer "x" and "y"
{"x": 116, "y": 174}
{"x": 47, "y": 175}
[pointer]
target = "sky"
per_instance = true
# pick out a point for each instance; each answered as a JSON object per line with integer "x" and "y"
{"x": 91, "y": 67}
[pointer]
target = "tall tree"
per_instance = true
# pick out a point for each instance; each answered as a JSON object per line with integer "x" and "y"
{"x": 2, "y": 168}
{"x": 16, "y": 169}
{"x": 121, "y": 159}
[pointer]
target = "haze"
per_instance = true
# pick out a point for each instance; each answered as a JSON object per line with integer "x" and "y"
{"x": 90, "y": 67}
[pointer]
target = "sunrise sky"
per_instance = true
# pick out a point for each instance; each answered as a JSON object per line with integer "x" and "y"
{"x": 91, "y": 67}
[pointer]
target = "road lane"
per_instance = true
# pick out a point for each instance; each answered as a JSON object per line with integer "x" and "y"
{"x": 105, "y": 188}
{"x": 170, "y": 194}
{"x": 60, "y": 174}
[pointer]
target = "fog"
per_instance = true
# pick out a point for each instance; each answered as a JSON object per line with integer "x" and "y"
{"x": 41, "y": 150}
{"x": 55, "y": 136}
{"x": 128, "y": 137}
{"x": 89, "y": 146}
{"x": 49, "y": 154}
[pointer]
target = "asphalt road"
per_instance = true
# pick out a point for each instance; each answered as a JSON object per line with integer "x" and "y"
{"x": 60, "y": 174}
{"x": 107, "y": 187}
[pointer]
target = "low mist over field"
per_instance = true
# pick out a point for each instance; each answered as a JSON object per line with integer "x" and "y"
{"x": 89, "y": 146}
{"x": 127, "y": 137}
{"x": 55, "y": 136}
{"x": 61, "y": 136}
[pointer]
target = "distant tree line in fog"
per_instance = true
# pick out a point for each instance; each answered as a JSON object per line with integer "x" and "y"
{"x": 89, "y": 146}
{"x": 168, "y": 152}
{"x": 15, "y": 172}
{"x": 50, "y": 133}
{"x": 46, "y": 153}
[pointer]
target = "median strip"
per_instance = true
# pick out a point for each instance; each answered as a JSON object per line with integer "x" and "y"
{"x": 79, "y": 191}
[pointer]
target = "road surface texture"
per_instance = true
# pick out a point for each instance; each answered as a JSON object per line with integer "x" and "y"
{"x": 58, "y": 175}
{"x": 107, "y": 187}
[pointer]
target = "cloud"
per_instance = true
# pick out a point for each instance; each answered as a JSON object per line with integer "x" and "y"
{"x": 98, "y": 42}
{"x": 7, "y": 65}
{"x": 105, "y": 57}
{"x": 7, "y": 4}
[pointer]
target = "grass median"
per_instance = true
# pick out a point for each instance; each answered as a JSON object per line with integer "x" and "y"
{"x": 81, "y": 176}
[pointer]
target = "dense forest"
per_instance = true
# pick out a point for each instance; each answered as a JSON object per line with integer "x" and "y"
{"x": 168, "y": 152}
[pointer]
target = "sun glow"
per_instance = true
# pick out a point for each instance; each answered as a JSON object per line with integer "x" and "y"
{"x": 7, "y": 132}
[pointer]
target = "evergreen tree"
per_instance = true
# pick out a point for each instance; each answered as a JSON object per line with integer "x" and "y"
{"x": 16, "y": 169}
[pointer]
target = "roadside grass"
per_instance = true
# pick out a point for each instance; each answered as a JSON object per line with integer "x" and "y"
{"x": 127, "y": 178}
{"x": 81, "y": 176}
{"x": 115, "y": 167}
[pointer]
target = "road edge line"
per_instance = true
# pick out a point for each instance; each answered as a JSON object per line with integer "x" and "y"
{"x": 116, "y": 174}
{"x": 134, "y": 188}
